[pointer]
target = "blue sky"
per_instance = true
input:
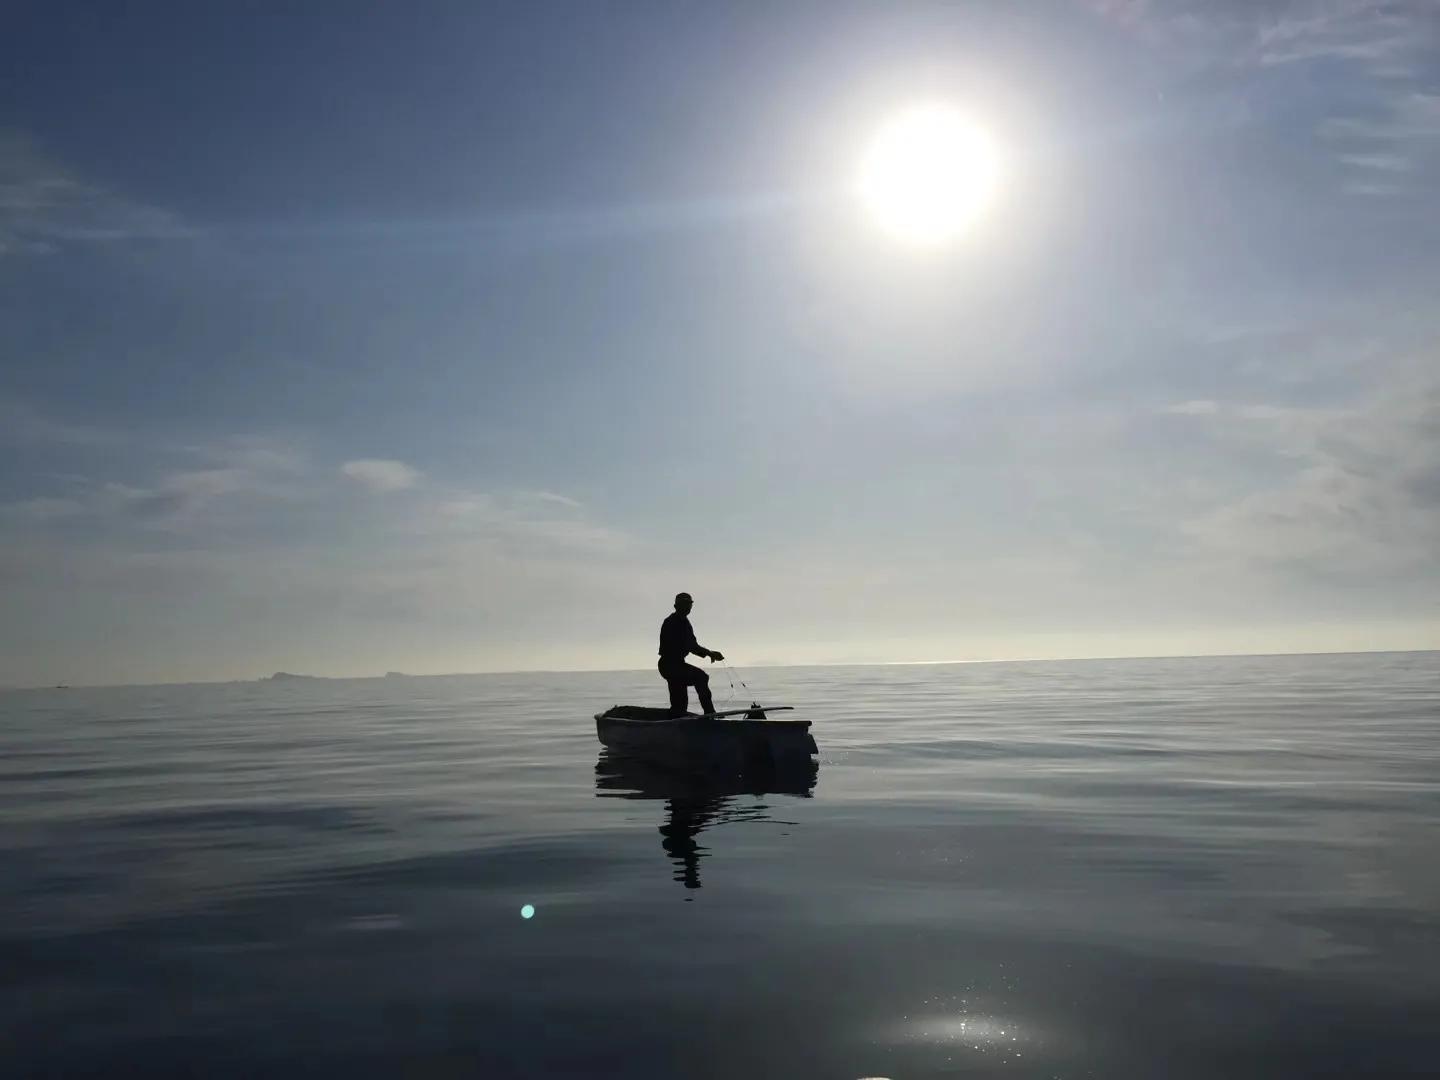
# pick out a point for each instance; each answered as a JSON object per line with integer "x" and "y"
{"x": 455, "y": 337}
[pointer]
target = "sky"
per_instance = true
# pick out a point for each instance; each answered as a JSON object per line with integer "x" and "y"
{"x": 449, "y": 337}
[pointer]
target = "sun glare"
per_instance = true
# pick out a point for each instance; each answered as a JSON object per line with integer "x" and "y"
{"x": 928, "y": 174}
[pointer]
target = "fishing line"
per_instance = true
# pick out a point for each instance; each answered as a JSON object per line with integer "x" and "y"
{"x": 734, "y": 677}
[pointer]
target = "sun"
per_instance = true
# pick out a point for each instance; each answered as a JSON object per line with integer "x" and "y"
{"x": 928, "y": 174}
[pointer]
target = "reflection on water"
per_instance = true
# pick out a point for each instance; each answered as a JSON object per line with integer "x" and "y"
{"x": 695, "y": 802}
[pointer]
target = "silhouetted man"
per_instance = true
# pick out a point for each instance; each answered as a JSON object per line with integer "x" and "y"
{"x": 677, "y": 641}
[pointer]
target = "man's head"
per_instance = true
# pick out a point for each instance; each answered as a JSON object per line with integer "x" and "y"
{"x": 683, "y": 603}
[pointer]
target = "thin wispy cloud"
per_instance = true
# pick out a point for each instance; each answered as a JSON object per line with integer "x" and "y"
{"x": 44, "y": 207}
{"x": 1361, "y": 495}
{"x": 1388, "y": 38}
{"x": 1387, "y": 122}
{"x": 556, "y": 498}
{"x": 1196, "y": 407}
{"x": 174, "y": 498}
{"x": 263, "y": 531}
{"x": 1393, "y": 146}
{"x": 44, "y": 508}
{"x": 523, "y": 518}
{"x": 256, "y": 454}
{"x": 1373, "y": 59}
{"x": 527, "y": 232}
{"x": 21, "y": 423}
{"x": 267, "y": 475}
{"x": 381, "y": 474}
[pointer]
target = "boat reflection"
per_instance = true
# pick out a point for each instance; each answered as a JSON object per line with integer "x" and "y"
{"x": 695, "y": 802}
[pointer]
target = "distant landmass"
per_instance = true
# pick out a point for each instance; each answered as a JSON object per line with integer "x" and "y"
{"x": 290, "y": 676}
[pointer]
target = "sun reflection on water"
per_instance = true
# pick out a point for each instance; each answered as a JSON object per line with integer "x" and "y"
{"x": 963, "y": 1027}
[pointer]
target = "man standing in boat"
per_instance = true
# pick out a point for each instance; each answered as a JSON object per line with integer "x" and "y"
{"x": 677, "y": 641}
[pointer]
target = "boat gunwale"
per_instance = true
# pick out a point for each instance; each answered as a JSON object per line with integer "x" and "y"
{"x": 691, "y": 721}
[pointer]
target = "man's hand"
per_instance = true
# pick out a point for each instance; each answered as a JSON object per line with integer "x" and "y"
{"x": 716, "y": 656}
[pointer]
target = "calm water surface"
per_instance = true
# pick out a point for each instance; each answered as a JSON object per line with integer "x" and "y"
{"x": 1147, "y": 868}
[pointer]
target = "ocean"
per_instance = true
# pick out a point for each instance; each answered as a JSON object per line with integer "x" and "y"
{"x": 1167, "y": 868}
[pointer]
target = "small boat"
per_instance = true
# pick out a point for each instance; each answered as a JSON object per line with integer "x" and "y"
{"x": 740, "y": 739}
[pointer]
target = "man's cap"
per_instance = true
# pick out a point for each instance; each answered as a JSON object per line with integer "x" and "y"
{"x": 683, "y": 596}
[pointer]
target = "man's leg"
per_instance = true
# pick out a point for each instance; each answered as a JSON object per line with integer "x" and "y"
{"x": 701, "y": 682}
{"x": 679, "y": 699}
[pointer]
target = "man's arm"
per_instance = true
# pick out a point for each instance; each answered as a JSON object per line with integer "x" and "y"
{"x": 697, "y": 649}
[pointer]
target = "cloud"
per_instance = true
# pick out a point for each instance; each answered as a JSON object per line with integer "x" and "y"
{"x": 1384, "y": 38}
{"x": 261, "y": 488}
{"x": 1375, "y": 78}
{"x": 165, "y": 504}
{"x": 1385, "y": 121}
{"x": 44, "y": 208}
{"x": 23, "y": 424}
{"x": 43, "y": 509}
{"x": 1362, "y": 495}
{"x": 553, "y": 497}
{"x": 1124, "y": 12}
{"x": 380, "y": 474}
{"x": 1193, "y": 408}
{"x": 1380, "y": 162}
{"x": 1244, "y": 411}
{"x": 244, "y": 468}
{"x": 252, "y": 556}
{"x": 534, "y": 521}
{"x": 252, "y": 453}
{"x": 1392, "y": 147}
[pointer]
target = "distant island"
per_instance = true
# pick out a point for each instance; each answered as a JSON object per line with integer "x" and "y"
{"x": 290, "y": 676}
